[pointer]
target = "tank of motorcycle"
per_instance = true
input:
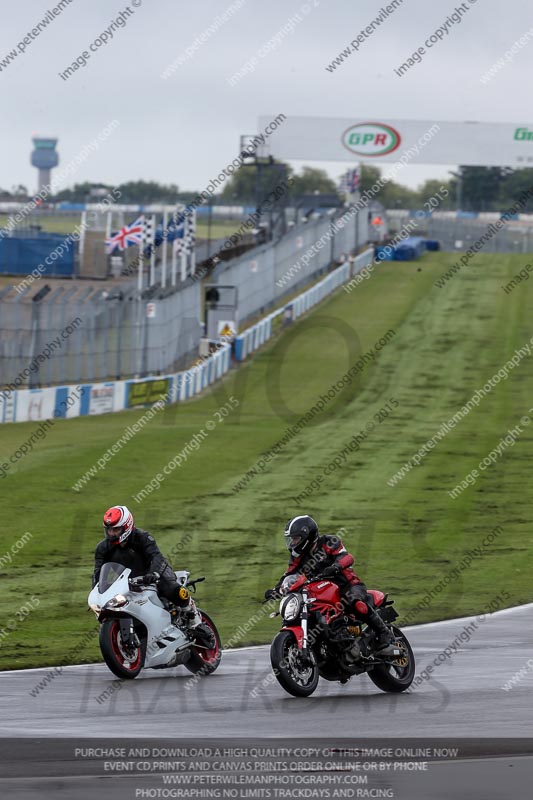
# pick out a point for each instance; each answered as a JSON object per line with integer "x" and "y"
{"x": 324, "y": 591}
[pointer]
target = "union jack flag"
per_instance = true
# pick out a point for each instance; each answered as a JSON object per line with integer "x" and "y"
{"x": 127, "y": 236}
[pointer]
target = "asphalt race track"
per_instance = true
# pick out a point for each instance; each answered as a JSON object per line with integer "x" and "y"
{"x": 463, "y": 699}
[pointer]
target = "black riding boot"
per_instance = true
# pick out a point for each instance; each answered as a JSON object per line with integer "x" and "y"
{"x": 200, "y": 631}
{"x": 384, "y": 636}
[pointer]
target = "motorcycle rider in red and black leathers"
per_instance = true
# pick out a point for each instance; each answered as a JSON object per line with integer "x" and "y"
{"x": 325, "y": 556}
{"x": 137, "y": 549}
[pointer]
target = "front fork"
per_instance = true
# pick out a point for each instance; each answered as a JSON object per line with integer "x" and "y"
{"x": 127, "y": 632}
{"x": 305, "y": 617}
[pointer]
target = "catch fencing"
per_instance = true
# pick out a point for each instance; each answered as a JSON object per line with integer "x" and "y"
{"x": 457, "y": 233}
{"x": 120, "y": 335}
{"x": 100, "y": 398}
{"x": 254, "y": 337}
{"x": 272, "y": 271}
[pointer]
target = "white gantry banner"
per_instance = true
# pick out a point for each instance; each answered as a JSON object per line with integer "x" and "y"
{"x": 384, "y": 140}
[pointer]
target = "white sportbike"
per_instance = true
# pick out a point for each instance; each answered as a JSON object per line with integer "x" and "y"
{"x": 140, "y": 629}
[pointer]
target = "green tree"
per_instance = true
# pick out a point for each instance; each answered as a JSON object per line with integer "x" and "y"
{"x": 369, "y": 176}
{"x": 138, "y": 192}
{"x": 148, "y": 192}
{"x": 312, "y": 180}
{"x": 433, "y": 188}
{"x": 20, "y": 192}
{"x": 482, "y": 187}
{"x": 252, "y": 182}
{"x": 392, "y": 194}
{"x": 514, "y": 183}
{"x": 78, "y": 194}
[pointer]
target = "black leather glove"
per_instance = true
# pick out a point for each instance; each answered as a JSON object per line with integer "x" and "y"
{"x": 150, "y": 577}
{"x": 330, "y": 572}
{"x": 272, "y": 594}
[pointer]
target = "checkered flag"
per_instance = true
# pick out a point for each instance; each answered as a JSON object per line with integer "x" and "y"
{"x": 148, "y": 232}
{"x": 190, "y": 240}
{"x": 190, "y": 233}
{"x": 177, "y": 245}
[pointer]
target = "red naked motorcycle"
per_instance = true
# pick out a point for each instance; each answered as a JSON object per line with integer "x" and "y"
{"x": 320, "y": 637}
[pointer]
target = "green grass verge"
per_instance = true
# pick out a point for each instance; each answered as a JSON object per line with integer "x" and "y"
{"x": 66, "y": 223}
{"x": 447, "y": 343}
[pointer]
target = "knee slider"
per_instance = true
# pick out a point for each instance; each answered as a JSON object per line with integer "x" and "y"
{"x": 361, "y": 607}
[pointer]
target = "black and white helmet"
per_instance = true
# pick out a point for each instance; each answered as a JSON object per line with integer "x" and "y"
{"x": 300, "y": 534}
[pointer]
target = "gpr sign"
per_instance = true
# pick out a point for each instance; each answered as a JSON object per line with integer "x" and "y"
{"x": 386, "y": 141}
{"x": 371, "y": 139}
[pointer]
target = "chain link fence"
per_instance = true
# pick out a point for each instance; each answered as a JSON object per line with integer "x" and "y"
{"x": 75, "y": 333}
{"x": 83, "y": 334}
{"x": 460, "y": 233}
{"x": 267, "y": 273}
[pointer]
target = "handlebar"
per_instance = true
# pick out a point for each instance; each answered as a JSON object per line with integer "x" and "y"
{"x": 137, "y": 582}
{"x": 194, "y": 582}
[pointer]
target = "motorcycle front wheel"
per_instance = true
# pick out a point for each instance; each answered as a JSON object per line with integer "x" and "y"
{"x": 205, "y": 661}
{"x": 123, "y": 661}
{"x": 296, "y": 676}
{"x": 398, "y": 675}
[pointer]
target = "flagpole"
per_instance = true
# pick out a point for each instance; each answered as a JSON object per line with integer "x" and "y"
{"x": 141, "y": 258}
{"x": 174, "y": 261}
{"x": 193, "y": 243}
{"x": 165, "y": 249}
{"x": 184, "y": 257}
{"x": 175, "y": 243}
{"x": 109, "y": 224}
{"x": 152, "y": 252}
{"x": 83, "y": 226}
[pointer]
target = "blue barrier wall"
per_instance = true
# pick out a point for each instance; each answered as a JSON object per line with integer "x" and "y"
{"x": 21, "y": 255}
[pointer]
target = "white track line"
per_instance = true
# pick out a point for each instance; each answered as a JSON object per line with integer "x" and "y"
{"x": 510, "y": 610}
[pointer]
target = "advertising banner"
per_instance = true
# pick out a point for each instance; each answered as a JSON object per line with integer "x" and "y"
{"x": 147, "y": 392}
{"x": 101, "y": 398}
{"x": 414, "y": 141}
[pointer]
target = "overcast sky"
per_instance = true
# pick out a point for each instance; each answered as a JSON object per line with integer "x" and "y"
{"x": 185, "y": 129}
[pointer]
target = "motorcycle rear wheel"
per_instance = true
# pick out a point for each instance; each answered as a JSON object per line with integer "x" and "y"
{"x": 399, "y": 677}
{"x": 123, "y": 662}
{"x": 285, "y": 656}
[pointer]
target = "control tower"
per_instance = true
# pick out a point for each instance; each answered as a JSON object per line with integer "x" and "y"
{"x": 44, "y": 157}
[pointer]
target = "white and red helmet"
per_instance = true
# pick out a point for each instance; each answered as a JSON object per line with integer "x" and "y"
{"x": 118, "y": 524}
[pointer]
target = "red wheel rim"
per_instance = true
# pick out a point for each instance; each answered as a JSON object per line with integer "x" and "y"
{"x": 119, "y": 651}
{"x": 208, "y": 655}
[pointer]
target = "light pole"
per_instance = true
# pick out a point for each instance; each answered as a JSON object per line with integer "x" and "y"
{"x": 459, "y": 193}
{"x": 209, "y": 219}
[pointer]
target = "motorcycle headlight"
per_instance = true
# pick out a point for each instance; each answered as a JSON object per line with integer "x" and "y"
{"x": 290, "y": 607}
{"x": 116, "y": 602}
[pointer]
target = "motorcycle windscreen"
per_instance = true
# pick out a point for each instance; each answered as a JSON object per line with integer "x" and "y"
{"x": 108, "y": 575}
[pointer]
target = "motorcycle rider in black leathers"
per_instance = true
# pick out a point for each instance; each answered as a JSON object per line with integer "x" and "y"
{"x": 326, "y": 556}
{"x": 137, "y": 549}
